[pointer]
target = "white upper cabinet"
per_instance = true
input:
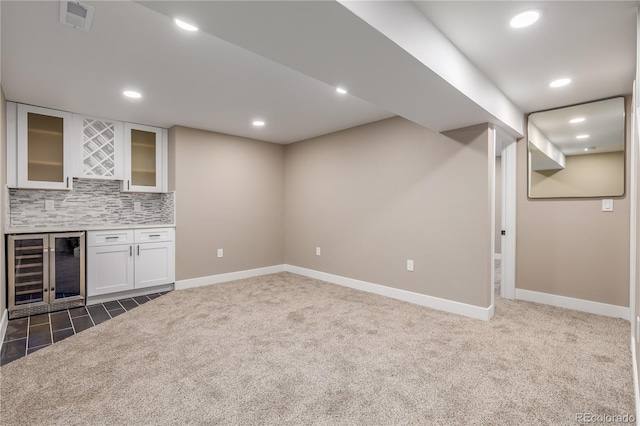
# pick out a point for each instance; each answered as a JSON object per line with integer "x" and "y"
{"x": 39, "y": 147}
{"x": 47, "y": 148}
{"x": 101, "y": 147}
{"x": 145, "y": 158}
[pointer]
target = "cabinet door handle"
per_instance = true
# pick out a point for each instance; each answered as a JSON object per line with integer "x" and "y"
{"x": 67, "y": 181}
{"x": 130, "y": 251}
{"x": 111, "y": 238}
{"x": 138, "y": 249}
{"x": 128, "y": 184}
{"x": 154, "y": 235}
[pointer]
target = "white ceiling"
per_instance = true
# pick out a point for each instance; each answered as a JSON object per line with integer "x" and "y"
{"x": 191, "y": 79}
{"x": 280, "y": 61}
{"x": 592, "y": 42}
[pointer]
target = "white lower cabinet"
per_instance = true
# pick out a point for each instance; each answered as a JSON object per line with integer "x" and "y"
{"x": 123, "y": 260}
{"x": 109, "y": 269}
{"x": 154, "y": 264}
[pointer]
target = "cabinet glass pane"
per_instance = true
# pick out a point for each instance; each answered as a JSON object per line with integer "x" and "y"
{"x": 45, "y": 148}
{"x": 29, "y": 271}
{"x": 143, "y": 158}
{"x": 66, "y": 268}
{"x": 98, "y": 148}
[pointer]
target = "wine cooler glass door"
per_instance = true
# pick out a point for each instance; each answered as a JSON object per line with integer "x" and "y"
{"x": 28, "y": 270}
{"x": 67, "y": 266}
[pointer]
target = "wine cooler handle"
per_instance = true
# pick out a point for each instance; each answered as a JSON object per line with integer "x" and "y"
{"x": 130, "y": 250}
{"x": 138, "y": 249}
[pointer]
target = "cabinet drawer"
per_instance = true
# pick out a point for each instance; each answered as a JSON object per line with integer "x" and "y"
{"x": 153, "y": 235}
{"x": 109, "y": 237}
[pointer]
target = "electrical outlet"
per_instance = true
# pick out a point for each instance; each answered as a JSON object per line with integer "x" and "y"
{"x": 220, "y": 253}
{"x": 410, "y": 265}
{"x": 318, "y": 251}
{"x": 48, "y": 205}
{"x": 137, "y": 206}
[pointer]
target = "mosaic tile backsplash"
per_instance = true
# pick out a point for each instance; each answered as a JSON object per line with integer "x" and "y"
{"x": 91, "y": 202}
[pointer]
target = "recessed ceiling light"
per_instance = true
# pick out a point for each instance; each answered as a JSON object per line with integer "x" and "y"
{"x": 586, "y": 149}
{"x": 576, "y": 120}
{"x": 132, "y": 94}
{"x": 560, "y": 82}
{"x": 258, "y": 123}
{"x": 185, "y": 26}
{"x": 341, "y": 90}
{"x": 524, "y": 19}
{"x": 582, "y": 136}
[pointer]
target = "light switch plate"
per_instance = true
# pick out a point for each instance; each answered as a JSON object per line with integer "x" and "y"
{"x": 220, "y": 252}
{"x": 137, "y": 206}
{"x": 48, "y": 205}
{"x": 607, "y": 205}
{"x": 318, "y": 251}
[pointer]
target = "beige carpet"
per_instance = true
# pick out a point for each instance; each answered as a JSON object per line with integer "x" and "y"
{"x": 285, "y": 349}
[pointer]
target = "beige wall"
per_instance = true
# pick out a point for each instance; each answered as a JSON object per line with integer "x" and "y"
{"x": 583, "y": 176}
{"x": 569, "y": 247}
{"x": 229, "y": 195}
{"x": 376, "y": 195}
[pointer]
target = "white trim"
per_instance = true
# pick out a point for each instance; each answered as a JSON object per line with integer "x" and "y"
{"x": 165, "y": 161}
{"x": 497, "y": 256}
{"x": 12, "y": 145}
{"x": 4, "y": 322}
{"x": 605, "y": 309}
{"x": 231, "y": 276}
{"x": 451, "y": 306}
{"x": 633, "y": 230}
{"x": 493, "y": 146}
{"x": 636, "y": 389}
{"x": 508, "y": 242}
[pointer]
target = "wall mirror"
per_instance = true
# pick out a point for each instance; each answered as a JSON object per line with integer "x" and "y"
{"x": 577, "y": 151}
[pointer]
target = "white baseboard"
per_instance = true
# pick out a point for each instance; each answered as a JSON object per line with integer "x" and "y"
{"x": 4, "y": 322}
{"x": 231, "y": 276}
{"x": 575, "y": 304}
{"x": 451, "y": 306}
{"x": 636, "y": 388}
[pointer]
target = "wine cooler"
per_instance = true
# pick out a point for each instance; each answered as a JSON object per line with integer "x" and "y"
{"x": 46, "y": 272}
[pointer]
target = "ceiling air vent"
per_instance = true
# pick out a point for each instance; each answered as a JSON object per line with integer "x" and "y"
{"x": 76, "y": 14}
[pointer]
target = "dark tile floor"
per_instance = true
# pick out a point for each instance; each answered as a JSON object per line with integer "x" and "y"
{"x": 27, "y": 335}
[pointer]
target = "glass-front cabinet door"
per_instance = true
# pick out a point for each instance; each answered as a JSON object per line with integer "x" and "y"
{"x": 28, "y": 270}
{"x": 43, "y": 148}
{"x": 144, "y": 162}
{"x": 66, "y": 257}
{"x": 101, "y": 147}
